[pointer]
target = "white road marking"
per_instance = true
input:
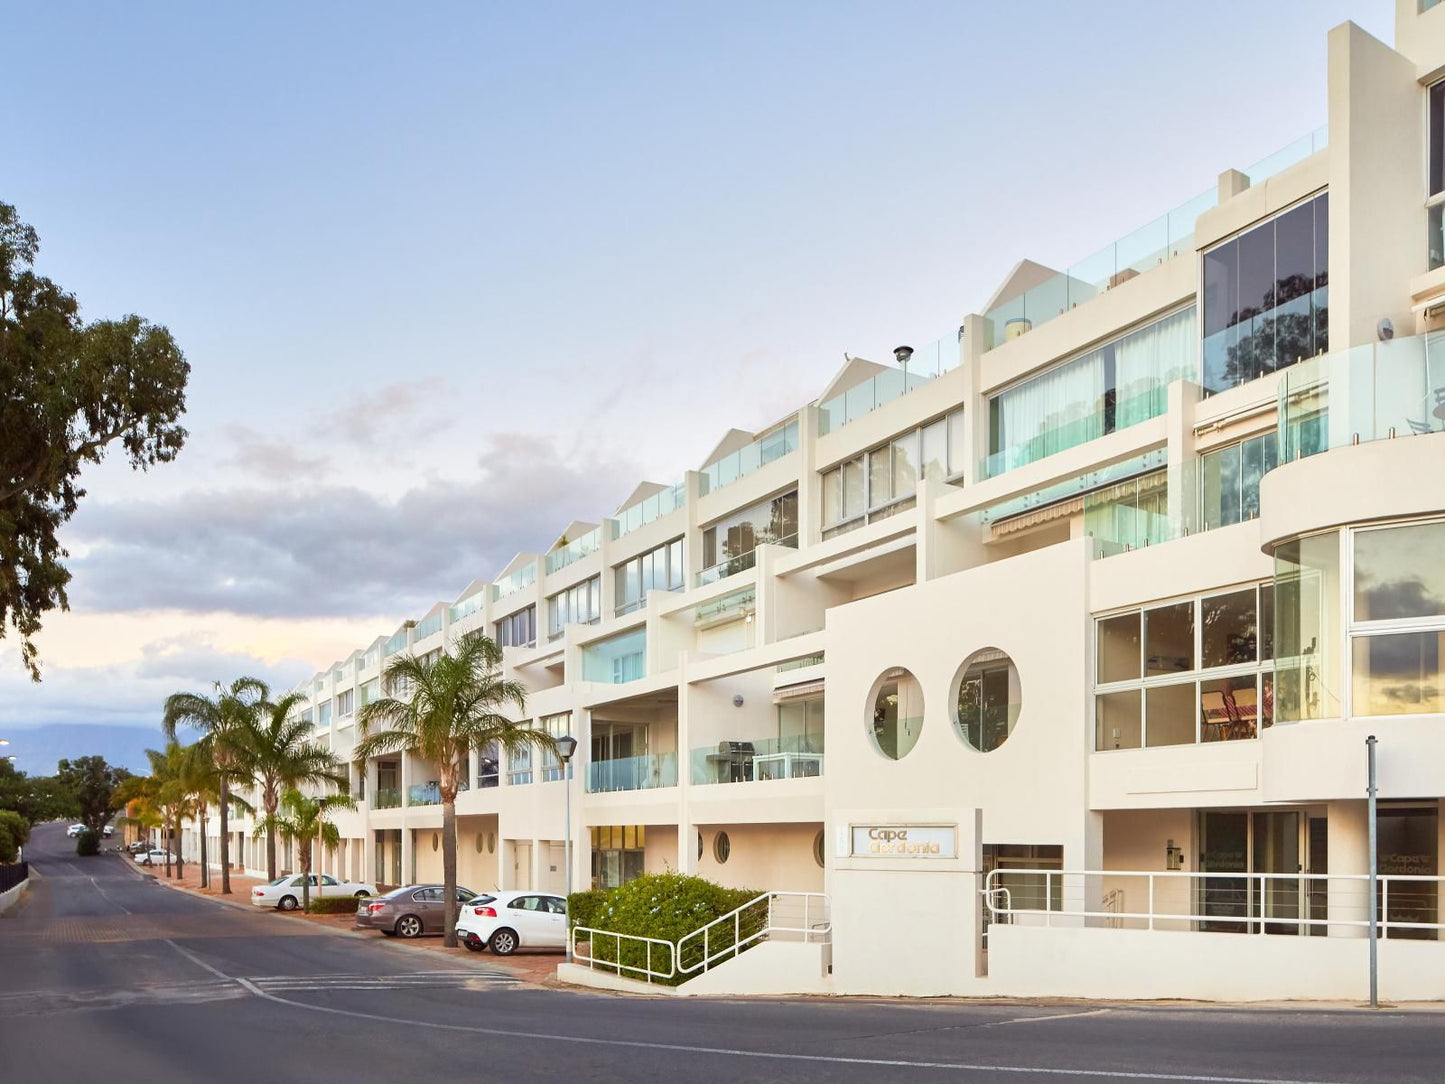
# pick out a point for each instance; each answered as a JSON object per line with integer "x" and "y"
{"x": 107, "y": 899}
{"x": 202, "y": 963}
{"x": 1052, "y": 1016}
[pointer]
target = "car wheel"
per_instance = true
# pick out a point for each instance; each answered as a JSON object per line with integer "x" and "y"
{"x": 472, "y": 946}
{"x": 504, "y": 942}
{"x": 408, "y": 926}
{"x": 362, "y": 895}
{"x": 288, "y": 903}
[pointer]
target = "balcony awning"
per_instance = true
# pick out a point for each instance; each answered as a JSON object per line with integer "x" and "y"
{"x": 806, "y": 690}
{"x": 1047, "y": 514}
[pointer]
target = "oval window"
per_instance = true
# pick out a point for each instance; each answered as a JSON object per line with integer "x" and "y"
{"x": 491, "y": 842}
{"x": 818, "y": 849}
{"x": 436, "y": 840}
{"x": 721, "y": 847}
{"x": 897, "y": 713}
{"x": 987, "y": 705}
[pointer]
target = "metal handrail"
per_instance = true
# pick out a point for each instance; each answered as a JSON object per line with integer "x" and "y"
{"x": 591, "y": 961}
{"x": 808, "y": 929}
{"x": 992, "y": 889}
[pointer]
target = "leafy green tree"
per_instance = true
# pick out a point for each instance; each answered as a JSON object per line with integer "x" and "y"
{"x": 14, "y": 833}
{"x": 305, "y": 822}
{"x": 222, "y": 718}
{"x": 71, "y": 389}
{"x": 37, "y": 798}
{"x": 453, "y": 703}
{"x": 276, "y": 752}
{"x": 91, "y": 782}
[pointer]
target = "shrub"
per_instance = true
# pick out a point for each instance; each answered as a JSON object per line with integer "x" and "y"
{"x": 9, "y": 847}
{"x": 583, "y": 908}
{"x": 668, "y": 906}
{"x": 87, "y": 844}
{"x": 333, "y": 905}
{"x": 17, "y": 826}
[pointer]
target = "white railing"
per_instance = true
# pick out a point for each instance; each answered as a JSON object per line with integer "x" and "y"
{"x": 791, "y": 914}
{"x": 1237, "y": 902}
{"x": 784, "y": 915}
{"x": 665, "y": 950}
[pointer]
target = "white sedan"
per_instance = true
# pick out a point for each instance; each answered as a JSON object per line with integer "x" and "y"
{"x": 284, "y": 893}
{"x": 75, "y": 830}
{"x": 513, "y": 920}
{"x": 152, "y": 858}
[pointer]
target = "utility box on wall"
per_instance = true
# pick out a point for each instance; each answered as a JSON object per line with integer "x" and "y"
{"x": 904, "y": 890}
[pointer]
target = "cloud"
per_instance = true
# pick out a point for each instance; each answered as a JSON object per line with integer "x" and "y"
{"x": 334, "y": 550}
{"x": 403, "y": 409}
{"x": 273, "y": 460}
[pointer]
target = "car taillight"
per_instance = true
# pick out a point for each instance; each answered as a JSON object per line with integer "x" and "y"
{"x": 372, "y": 908}
{"x": 485, "y": 912}
{"x": 257, "y": 892}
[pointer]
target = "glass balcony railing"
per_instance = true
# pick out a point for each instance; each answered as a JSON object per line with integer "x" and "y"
{"x": 465, "y": 608}
{"x": 430, "y": 627}
{"x": 396, "y": 644}
{"x": 647, "y": 772}
{"x": 575, "y": 550}
{"x": 803, "y": 663}
{"x": 759, "y": 760}
{"x": 648, "y": 509}
{"x": 927, "y": 364}
{"x": 523, "y": 577}
{"x": 1149, "y": 246}
{"x": 387, "y": 798}
{"x": 424, "y": 794}
{"x": 1372, "y": 392}
{"x": 767, "y": 448}
{"x": 741, "y": 563}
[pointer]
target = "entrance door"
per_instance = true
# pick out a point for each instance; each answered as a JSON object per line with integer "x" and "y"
{"x": 1267, "y": 842}
{"x": 522, "y": 865}
{"x": 1409, "y": 846}
{"x": 1277, "y": 849}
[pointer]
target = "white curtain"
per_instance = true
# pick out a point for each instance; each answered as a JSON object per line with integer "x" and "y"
{"x": 1057, "y": 410}
{"x": 1147, "y": 361}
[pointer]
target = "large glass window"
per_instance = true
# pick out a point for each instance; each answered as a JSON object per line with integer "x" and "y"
{"x": 896, "y": 717}
{"x": 882, "y": 481}
{"x": 1266, "y": 297}
{"x": 617, "y": 659}
{"x": 578, "y": 605}
{"x": 1436, "y": 152}
{"x": 1206, "y": 673}
{"x": 1112, "y": 387}
{"x": 728, "y": 545}
{"x": 518, "y": 629}
{"x": 1229, "y": 480}
{"x": 989, "y": 698}
{"x": 659, "y": 569}
{"x": 1397, "y": 627}
{"x": 1129, "y": 514}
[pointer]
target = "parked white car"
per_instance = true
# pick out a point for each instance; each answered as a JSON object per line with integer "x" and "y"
{"x": 75, "y": 830}
{"x": 151, "y": 858}
{"x": 284, "y": 893}
{"x": 514, "y": 920}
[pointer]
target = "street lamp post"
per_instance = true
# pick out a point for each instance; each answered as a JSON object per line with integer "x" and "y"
{"x": 566, "y": 747}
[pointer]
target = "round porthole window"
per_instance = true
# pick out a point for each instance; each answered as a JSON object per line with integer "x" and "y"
{"x": 491, "y": 842}
{"x": 721, "y": 847}
{"x": 481, "y": 842}
{"x": 436, "y": 840}
{"x": 818, "y": 849}
{"x": 896, "y": 713}
{"x": 988, "y": 700}
{"x": 699, "y": 846}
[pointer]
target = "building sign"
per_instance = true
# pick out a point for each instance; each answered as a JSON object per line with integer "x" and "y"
{"x": 904, "y": 841}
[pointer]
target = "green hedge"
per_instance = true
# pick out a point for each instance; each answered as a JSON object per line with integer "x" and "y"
{"x": 334, "y": 905}
{"x": 668, "y": 906}
{"x": 87, "y": 844}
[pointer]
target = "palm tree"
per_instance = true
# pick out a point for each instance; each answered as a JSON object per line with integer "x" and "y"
{"x": 203, "y": 780}
{"x": 164, "y": 797}
{"x": 307, "y": 824}
{"x": 455, "y": 705}
{"x": 277, "y": 753}
{"x": 220, "y": 718}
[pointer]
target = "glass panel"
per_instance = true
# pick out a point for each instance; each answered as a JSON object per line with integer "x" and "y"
{"x": 880, "y": 477}
{"x": 1169, "y": 635}
{"x": 1219, "y": 487}
{"x": 1169, "y": 715}
{"x": 1397, "y": 674}
{"x": 905, "y": 465}
{"x": 1436, "y": 137}
{"x": 897, "y": 715}
{"x": 1399, "y": 572}
{"x": 1228, "y": 708}
{"x": 1116, "y": 720}
{"x": 833, "y": 496}
{"x": 935, "y": 451}
{"x": 853, "y": 489}
{"x": 1119, "y": 655}
{"x": 988, "y": 701}
{"x": 1306, "y": 628}
{"x": 1228, "y": 629}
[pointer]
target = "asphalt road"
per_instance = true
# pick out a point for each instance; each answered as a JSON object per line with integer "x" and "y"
{"x": 105, "y": 974}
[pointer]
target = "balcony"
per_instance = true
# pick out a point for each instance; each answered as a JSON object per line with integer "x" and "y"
{"x": 766, "y": 449}
{"x": 651, "y": 508}
{"x": 387, "y": 798}
{"x": 648, "y": 772}
{"x": 926, "y": 365}
{"x": 523, "y": 577}
{"x": 575, "y": 550}
{"x": 759, "y": 760}
{"x": 1149, "y": 246}
{"x": 742, "y": 562}
{"x": 430, "y": 626}
{"x": 616, "y": 660}
{"x": 465, "y": 608}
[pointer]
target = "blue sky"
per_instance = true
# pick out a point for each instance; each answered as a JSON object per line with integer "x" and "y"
{"x": 452, "y": 276}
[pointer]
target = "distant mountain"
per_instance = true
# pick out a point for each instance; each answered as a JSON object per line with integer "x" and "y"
{"x": 37, "y": 749}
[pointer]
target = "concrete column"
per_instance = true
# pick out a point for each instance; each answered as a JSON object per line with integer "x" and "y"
{"x": 539, "y": 862}
{"x": 1231, "y": 183}
{"x": 810, "y": 491}
{"x": 1182, "y": 472}
{"x": 1349, "y": 844}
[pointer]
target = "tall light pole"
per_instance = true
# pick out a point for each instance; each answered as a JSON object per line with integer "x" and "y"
{"x": 1374, "y": 883}
{"x": 566, "y": 747}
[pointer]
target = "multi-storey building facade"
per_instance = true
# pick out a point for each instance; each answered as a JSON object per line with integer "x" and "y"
{"x": 1097, "y": 597}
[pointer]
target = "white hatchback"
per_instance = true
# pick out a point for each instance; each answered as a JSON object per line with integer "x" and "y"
{"x": 284, "y": 893}
{"x": 152, "y": 858}
{"x": 513, "y": 920}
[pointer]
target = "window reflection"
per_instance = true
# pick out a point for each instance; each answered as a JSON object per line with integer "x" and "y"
{"x": 1397, "y": 674}
{"x": 1399, "y": 572}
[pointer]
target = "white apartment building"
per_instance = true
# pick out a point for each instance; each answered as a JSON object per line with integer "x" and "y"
{"x": 1047, "y": 651}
